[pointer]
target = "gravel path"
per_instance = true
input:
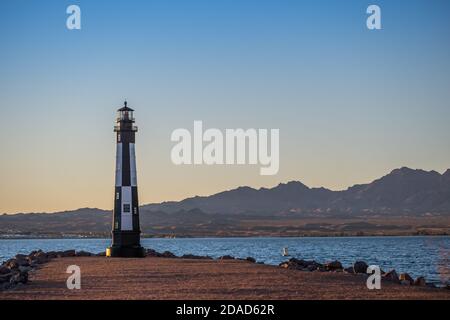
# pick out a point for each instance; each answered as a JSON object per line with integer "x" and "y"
{"x": 165, "y": 278}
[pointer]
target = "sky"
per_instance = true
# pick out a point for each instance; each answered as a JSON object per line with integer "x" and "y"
{"x": 351, "y": 104}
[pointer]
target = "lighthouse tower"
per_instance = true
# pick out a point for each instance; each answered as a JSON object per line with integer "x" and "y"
{"x": 125, "y": 229}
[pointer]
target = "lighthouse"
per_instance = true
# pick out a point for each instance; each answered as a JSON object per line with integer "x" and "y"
{"x": 125, "y": 228}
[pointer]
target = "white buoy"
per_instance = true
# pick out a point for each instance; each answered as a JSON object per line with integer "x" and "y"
{"x": 285, "y": 252}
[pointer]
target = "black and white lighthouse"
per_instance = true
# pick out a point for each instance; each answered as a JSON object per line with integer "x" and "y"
{"x": 125, "y": 229}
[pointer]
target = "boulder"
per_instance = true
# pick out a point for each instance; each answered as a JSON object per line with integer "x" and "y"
{"x": 24, "y": 269}
{"x": 4, "y": 270}
{"x": 190, "y": 256}
{"x": 19, "y": 277}
{"x": 311, "y": 267}
{"x": 52, "y": 254}
{"x": 11, "y": 264}
{"x": 296, "y": 261}
{"x": 333, "y": 266}
{"x": 391, "y": 276}
{"x": 315, "y": 264}
{"x": 153, "y": 253}
{"x": 406, "y": 279}
{"x": 300, "y": 262}
{"x": 4, "y": 286}
{"x": 420, "y": 281}
{"x": 360, "y": 267}
{"x": 22, "y": 260}
{"x": 168, "y": 254}
{"x": 304, "y": 269}
{"x": 291, "y": 264}
{"x": 39, "y": 258}
{"x": 193, "y": 256}
{"x": 303, "y": 265}
{"x": 350, "y": 270}
{"x": 68, "y": 253}
{"x": 34, "y": 252}
{"x": 83, "y": 254}
{"x": 21, "y": 256}
{"x": 5, "y": 277}
{"x": 226, "y": 257}
{"x": 250, "y": 259}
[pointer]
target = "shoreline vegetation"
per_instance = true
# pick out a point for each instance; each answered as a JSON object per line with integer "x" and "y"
{"x": 22, "y": 275}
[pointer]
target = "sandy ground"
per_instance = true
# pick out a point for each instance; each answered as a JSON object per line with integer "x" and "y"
{"x": 164, "y": 278}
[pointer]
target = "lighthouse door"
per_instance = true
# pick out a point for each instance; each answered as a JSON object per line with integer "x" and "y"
{"x": 127, "y": 218}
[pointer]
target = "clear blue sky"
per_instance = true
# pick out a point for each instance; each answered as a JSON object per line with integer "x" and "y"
{"x": 351, "y": 104}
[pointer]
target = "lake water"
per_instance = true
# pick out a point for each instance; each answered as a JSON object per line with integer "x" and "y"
{"x": 419, "y": 256}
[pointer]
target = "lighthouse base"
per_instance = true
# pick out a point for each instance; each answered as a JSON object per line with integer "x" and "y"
{"x": 125, "y": 252}
{"x": 126, "y": 244}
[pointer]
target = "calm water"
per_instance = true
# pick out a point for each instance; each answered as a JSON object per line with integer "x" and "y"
{"x": 426, "y": 256}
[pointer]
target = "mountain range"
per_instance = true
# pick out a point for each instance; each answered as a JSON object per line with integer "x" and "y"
{"x": 405, "y": 201}
{"x": 403, "y": 191}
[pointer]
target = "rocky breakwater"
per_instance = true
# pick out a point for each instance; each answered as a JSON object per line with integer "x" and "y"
{"x": 358, "y": 268}
{"x": 168, "y": 254}
{"x": 15, "y": 271}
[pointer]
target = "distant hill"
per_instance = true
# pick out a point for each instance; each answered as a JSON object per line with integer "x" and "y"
{"x": 403, "y": 191}
{"x": 405, "y": 201}
{"x": 85, "y": 220}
